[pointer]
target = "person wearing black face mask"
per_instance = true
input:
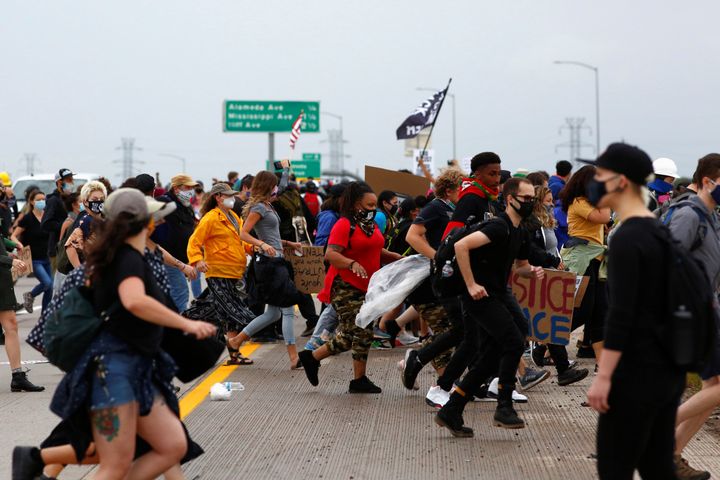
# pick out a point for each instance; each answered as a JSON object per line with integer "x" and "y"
{"x": 637, "y": 387}
{"x": 387, "y": 208}
{"x": 485, "y": 259}
{"x": 92, "y": 195}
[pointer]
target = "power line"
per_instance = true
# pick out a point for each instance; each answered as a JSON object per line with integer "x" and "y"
{"x": 128, "y": 161}
{"x": 575, "y": 127}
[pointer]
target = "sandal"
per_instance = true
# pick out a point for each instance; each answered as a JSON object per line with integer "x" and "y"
{"x": 237, "y": 359}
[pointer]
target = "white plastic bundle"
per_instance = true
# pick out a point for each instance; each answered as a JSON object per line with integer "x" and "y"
{"x": 391, "y": 285}
{"x": 220, "y": 392}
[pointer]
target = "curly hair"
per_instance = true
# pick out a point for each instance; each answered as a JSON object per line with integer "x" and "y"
{"x": 449, "y": 179}
{"x": 546, "y": 219}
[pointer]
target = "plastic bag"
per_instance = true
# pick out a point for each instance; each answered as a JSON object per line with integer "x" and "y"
{"x": 220, "y": 392}
{"x": 391, "y": 285}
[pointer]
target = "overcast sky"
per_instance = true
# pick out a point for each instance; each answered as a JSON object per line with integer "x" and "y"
{"x": 76, "y": 76}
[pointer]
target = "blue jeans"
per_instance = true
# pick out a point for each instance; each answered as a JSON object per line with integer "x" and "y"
{"x": 196, "y": 285}
{"x": 178, "y": 288}
{"x": 269, "y": 317}
{"x": 41, "y": 268}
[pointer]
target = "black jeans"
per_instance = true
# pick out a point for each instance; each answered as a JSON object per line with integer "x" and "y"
{"x": 446, "y": 340}
{"x": 638, "y": 432}
{"x": 593, "y": 308}
{"x": 307, "y": 310}
{"x": 493, "y": 342}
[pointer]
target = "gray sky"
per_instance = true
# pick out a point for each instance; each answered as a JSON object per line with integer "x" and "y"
{"x": 75, "y": 76}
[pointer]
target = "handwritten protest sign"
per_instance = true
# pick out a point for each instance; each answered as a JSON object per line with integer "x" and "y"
{"x": 548, "y": 304}
{"x": 25, "y": 256}
{"x": 309, "y": 268}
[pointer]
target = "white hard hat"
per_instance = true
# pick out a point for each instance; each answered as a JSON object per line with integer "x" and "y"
{"x": 665, "y": 167}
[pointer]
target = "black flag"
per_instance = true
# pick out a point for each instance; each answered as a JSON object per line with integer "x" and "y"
{"x": 423, "y": 116}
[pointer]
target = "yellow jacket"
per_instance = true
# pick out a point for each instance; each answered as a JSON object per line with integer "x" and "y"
{"x": 216, "y": 241}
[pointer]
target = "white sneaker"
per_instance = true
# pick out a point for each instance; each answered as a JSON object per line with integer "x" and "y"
{"x": 406, "y": 338}
{"x": 437, "y": 397}
{"x": 493, "y": 392}
{"x": 401, "y": 367}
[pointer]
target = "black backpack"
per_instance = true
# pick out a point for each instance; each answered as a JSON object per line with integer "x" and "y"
{"x": 689, "y": 332}
{"x": 452, "y": 285}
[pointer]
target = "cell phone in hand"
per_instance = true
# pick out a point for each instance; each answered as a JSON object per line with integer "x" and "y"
{"x": 278, "y": 165}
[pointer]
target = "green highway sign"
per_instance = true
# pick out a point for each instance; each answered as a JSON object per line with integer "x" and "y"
{"x": 262, "y": 116}
{"x": 309, "y": 166}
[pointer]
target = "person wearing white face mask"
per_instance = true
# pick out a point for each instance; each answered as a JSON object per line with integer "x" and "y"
{"x": 29, "y": 230}
{"x": 174, "y": 234}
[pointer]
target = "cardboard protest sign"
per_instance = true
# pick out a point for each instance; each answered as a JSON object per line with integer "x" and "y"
{"x": 581, "y": 284}
{"x": 25, "y": 256}
{"x": 309, "y": 268}
{"x": 404, "y": 183}
{"x": 547, "y": 304}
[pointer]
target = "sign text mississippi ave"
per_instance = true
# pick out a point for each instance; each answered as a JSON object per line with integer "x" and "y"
{"x": 262, "y": 116}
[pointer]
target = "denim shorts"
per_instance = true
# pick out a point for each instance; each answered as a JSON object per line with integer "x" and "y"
{"x": 116, "y": 379}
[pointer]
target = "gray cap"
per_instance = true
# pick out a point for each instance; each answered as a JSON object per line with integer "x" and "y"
{"x": 127, "y": 200}
{"x": 221, "y": 188}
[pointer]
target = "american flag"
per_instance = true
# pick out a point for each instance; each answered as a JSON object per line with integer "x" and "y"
{"x": 295, "y": 133}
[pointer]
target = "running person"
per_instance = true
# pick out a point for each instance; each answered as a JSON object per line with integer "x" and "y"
{"x": 492, "y": 330}
{"x": 355, "y": 252}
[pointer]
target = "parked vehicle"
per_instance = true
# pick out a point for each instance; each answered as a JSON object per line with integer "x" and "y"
{"x": 46, "y": 183}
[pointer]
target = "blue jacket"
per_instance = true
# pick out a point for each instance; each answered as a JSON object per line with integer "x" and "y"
{"x": 555, "y": 185}
{"x": 326, "y": 219}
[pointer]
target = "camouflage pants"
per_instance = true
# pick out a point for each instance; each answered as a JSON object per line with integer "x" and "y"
{"x": 436, "y": 317}
{"x": 347, "y": 300}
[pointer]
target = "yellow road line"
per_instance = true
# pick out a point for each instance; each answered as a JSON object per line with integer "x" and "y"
{"x": 195, "y": 397}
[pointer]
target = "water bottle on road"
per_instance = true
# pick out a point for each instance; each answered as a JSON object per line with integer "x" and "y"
{"x": 234, "y": 386}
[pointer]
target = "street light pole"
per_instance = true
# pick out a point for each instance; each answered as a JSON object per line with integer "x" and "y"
{"x": 178, "y": 157}
{"x": 454, "y": 137}
{"x": 597, "y": 95}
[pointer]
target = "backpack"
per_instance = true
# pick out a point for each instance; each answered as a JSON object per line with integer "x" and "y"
{"x": 451, "y": 284}
{"x": 689, "y": 332}
{"x": 63, "y": 263}
{"x": 71, "y": 328}
{"x": 702, "y": 231}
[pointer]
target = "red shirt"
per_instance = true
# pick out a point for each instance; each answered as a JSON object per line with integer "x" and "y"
{"x": 361, "y": 248}
{"x": 312, "y": 200}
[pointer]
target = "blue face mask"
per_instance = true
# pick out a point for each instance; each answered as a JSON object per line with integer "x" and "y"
{"x": 40, "y": 205}
{"x": 68, "y": 187}
{"x": 82, "y": 208}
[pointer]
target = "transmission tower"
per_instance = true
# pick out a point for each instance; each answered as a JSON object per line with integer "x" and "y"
{"x": 30, "y": 159}
{"x": 575, "y": 127}
{"x": 128, "y": 161}
{"x": 336, "y": 143}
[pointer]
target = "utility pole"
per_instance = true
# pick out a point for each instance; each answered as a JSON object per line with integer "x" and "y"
{"x": 30, "y": 159}
{"x": 128, "y": 161}
{"x": 575, "y": 127}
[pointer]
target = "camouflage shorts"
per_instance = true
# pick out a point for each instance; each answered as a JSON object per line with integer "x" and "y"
{"x": 437, "y": 319}
{"x": 347, "y": 300}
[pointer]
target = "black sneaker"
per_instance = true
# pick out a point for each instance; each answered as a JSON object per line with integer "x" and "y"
{"x": 311, "y": 366}
{"x": 572, "y": 375}
{"x": 454, "y": 424}
{"x": 507, "y": 417}
{"x": 412, "y": 368}
{"x": 363, "y": 385}
{"x": 20, "y": 383}
{"x": 24, "y": 464}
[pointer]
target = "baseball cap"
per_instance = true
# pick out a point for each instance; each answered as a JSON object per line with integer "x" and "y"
{"x": 627, "y": 160}
{"x": 221, "y": 188}
{"x": 159, "y": 210}
{"x": 126, "y": 200}
{"x": 182, "y": 180}
{"x": 63, "y": 173}
{"x": 145, "y": 183}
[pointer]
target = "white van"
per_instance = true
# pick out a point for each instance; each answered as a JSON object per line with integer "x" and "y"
{"x": 46, "y": 183}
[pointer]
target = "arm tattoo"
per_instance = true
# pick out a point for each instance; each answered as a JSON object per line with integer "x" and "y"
{"x": 336, "y": 248}
{"x": 106, "y": 422}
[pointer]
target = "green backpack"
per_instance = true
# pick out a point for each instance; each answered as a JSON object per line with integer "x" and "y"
{"x": 71, "y": 328}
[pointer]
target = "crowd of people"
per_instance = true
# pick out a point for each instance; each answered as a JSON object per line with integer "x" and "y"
{"x": 138, "y": 252}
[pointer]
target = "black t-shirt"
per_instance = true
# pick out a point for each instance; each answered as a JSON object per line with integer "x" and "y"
{"x": 34, "y": 236}
{"x": 471, "y": 205}
{"x": 492, "y": 263}
{"x": 434, "y": 217}
{"x": 143, "y": 336}
{"x": 636, "y": 280}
